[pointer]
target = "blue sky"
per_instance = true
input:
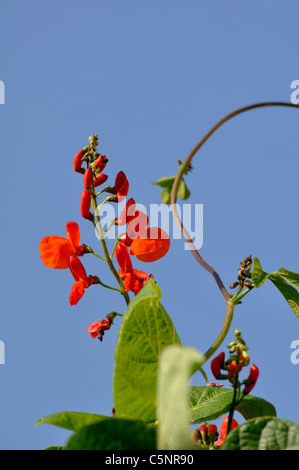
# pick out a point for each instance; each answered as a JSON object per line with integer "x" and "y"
{"x": 150, "y": 78}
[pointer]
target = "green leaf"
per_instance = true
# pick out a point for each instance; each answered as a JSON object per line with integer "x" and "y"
{"x": 183, "y": 191}
{"x": 145, "y": 331}
{"x": 290, "y": 276}
{"x": 264, "y": 434}
{"x": 167, "y": 183}
{"x": 114, "y": 434}
{"x": 55, "y": 448}
{"x": 290, "y": 293}
{"x": 176, "y": 367}
{"x": 72, "y": 420}
{"x": 258, "y": 276}
{"x": 209, "y": 403}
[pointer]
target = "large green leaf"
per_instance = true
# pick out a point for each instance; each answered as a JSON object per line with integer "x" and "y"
{"x": 258, "y": 276}
{"x": 72, "y": 420}
{"x": 264, "y": 434}
{"x": 208, "y": 403}
{"x": 290, "y": 276}
{"x": 146, "y": 330}
{"x": 176, "y": 367}
{"x": 290, "y": 293}
{"x": 281, "y": 280}
{"x": 115, "y": 434}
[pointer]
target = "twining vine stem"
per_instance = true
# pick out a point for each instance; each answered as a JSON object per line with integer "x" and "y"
{"x": 183, "y": 167}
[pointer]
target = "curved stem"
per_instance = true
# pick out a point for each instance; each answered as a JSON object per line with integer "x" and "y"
{"x": 182, "y": 170}
{"x": 230, "y": 305}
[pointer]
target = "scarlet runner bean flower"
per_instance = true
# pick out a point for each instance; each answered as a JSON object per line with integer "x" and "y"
{"x": 216, "y": 365}
{"x": 56, "y": 251}
{"x": 100, "y": 163}
{"x": 253, "y": 376}
{"x": 88, "y": 177}
{"x": 128, "y": 212}
{"x": 152, "y": 244}
{"x": 78, "y": 162}
{"x": 223, "y": 430}
{"x": 133, "y": 279}
{"x": 100, "y": 179}
{"x": 82, "y": 281}
{"x": 85, "y": 205}
{"x": 97, "y": 328}
{"x": 121, "y": 187}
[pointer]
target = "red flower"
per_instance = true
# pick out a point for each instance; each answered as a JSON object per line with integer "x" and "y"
{"x": 85, "y": 205}
{"x": 100, "y": 163}
{"x": 55, "y": 251}
{"x": 82, "y": 281}
{"x": 100, "y": 179}
{"x": 121, "y": 187}
{"x": 133, "y": 279}
{"x": 223, "y": 430}
{"x": 97, "y": 328}
{"x": 128, "y": 212}
{"x": 216, "y": 365}
{"x": 87, "y": 180}
{"x": 151, "y": 244}
{"x": 78, "y": 162}
{"x": 253, "y": 376}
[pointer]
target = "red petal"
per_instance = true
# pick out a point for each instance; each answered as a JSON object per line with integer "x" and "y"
{"x": 55, "y": 252}
{"x": 151, "y": 245}
{"x": 73, "y": 234}
{"x": 77, "y": 269}
{"x": 77, "y": 292}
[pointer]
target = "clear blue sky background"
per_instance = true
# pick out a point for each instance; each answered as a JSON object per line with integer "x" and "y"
{"x": 150, "y": 77}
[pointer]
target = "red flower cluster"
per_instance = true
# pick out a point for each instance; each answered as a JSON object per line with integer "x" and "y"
{"x": 207, "y": 435}
{"x": 61, "y": 253}
{"x": 233, "y": 366}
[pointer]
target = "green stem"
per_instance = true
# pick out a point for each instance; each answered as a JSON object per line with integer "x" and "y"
{"x": 106, "y": 253}
{"x": 98, "y": 281}
{"x": 238, "y": 297}
{"x": 114, "y": 248}
{"x": 95, "y": 254}
{"x": 233, "y": 405}
{"x": 225, "y": 328}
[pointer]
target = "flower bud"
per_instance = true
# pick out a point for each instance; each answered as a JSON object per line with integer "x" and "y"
{"x": 85, "y": 205}
{"x": 87, "y": 180}
{"x": 216, "y": 365}
{"x": 78, "y": 162}
{"x": 252, "y": 378}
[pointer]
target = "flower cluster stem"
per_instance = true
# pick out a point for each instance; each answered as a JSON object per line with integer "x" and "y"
{"x": 106, "y": 252}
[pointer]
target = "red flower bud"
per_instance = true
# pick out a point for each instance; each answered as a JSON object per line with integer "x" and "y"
{"x": 216, "y": 365}
{"x": 223, "y": 430}
{"x": 234, "y": 367}
{"x": 100, "y": 162}
{"x": 121, "y": 187}
{"x": 87, "y": 180}
{"x": 127, "y": 213}
{"x": 212, "y": 431}
{"x": 100, "y": 179}
{"x": 85, "y": 205}
{"x": 253, "y": 376}
{"x": 78, "y": 162}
